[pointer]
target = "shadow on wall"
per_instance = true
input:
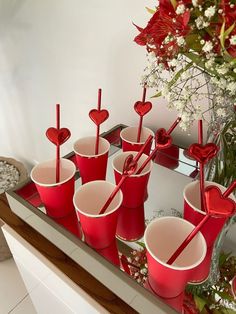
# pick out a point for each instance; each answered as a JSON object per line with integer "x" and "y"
{"x": 14, "y": 124}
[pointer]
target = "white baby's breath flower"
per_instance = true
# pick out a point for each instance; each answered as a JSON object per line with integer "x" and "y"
{"x": 221, "y": 112}
{"x": 201, "y": 23}
{"x": 183, "y": 126}
{"x": 167, "y": 39}
{"x": 195, "y": 3}
{"x": 208, "y": 46}
{"x": 173, "y": 63}
{"x": 223, "y": 69}
{"x": 143, "y": 271}
{"x": 185, "y": 116}
{"x": 179, "y": 105}
{"x": 152, "y": 78}
{"x": 222, "y": 83}
{"x": 210, "y": 12}
{"x": 233, "y": 40}
{"x": 231, "y": 87}
{"x": 180, "y": 41}
{"x": 180, "y": 9}
{"x": 210, "y": 63}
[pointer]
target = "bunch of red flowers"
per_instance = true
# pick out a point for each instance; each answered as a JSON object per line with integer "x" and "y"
{"x": 197, "y": 26}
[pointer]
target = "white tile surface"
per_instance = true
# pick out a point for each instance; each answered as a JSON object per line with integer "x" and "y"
{"x": 24, "y": 307}
{"x": 12, "y": 288}
{"x": 73, "y": 296}
{"x": 25, "y": 256}
{"x": 30, "y": 281}
{"x": 46, "y": 303}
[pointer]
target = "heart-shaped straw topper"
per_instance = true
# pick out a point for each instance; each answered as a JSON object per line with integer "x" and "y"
{"x": 142, "y": 108}
{"x": 163, "y": 139}
{"x": 217, "y": 204}
{"x": 203, "y": 153}
{"x": 98, "y": 116}
{"x": 58, "y": 137}
{"x": 129, "y": 165}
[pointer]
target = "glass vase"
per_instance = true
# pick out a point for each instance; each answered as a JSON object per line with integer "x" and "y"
{"x": 222, "y": 169}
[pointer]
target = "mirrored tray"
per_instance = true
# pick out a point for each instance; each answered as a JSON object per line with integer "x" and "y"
{"x": 171, "y": 172}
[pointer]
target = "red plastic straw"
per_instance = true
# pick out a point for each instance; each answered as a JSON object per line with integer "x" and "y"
{"x": 153, "y": 154}
{"x": 202, "y": 184}
{"x": 58, "y": 145}
{"x": 115, "y": 191}
{"x": 230, "y": 189}
{"x": 187, "y": 240}
{"x": 98, "y": 126}
{"x": 174, "y": 125}
{"x": 141, "y": 117}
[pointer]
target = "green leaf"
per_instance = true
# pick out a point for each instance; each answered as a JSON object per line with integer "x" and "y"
{"x": 224, "y": 295}
{"x": 174, "y": 3}
{"x": 193, "y": 42}
{"x": 141, "y": 244}
{"x": 156, "y": 95}
{"x": 224, "y": 34}
{"x": 227, "y": 311}
{"x": 200, "y": 303}
{"x": 151, "y": 11}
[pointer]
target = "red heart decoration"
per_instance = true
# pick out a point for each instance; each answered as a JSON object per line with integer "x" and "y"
{"x": 142, "y": 108}
{"x": 163, "y": 140}
{"x": 129, "y": 165}
{"x": 98, "y": 116}
{"x": 203, "y": 153}
{"x": 58, "y": 137}
{"x": 217, "y": 204}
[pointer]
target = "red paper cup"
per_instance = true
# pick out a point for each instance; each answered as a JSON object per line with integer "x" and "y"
{"x": 162, "y": 237}
{"x": 111, "y": 253}
{"x": 129, "y": 139}
{"x": 131, "y": 223}
{"x": 92, "y": 167}
{"x": 71, "y": 223}
{"x": 192, "y": 212}
{"x": 56, "y": 197}
{"x": 203, "y": 270}
{"x": 168, "y": 157}
{"x": 176, "y": 303}
{"x": 99, "y": 230}
{"x": 134, "y": 188}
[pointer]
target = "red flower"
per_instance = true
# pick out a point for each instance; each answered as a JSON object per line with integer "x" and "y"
{"x": 229, "y": 13}
{"x": 164, "y": 22}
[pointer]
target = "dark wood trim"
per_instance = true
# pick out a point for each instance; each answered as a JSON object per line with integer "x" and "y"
{"x": 76, "y": 273}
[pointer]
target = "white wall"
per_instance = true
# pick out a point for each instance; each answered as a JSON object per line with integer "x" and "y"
{"x": 62, "y": 51}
